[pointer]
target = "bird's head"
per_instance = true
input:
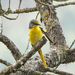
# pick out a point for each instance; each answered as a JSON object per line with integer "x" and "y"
{"x": 33, "y": 23}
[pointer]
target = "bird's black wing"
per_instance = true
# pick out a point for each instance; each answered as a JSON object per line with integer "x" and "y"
{"x": 46, "y": 34}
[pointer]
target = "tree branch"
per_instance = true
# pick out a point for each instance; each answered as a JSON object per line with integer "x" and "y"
{"x": 34, "y": 65}
{"x": 60, "y": 0}
{"x": 3, "y": 14}
{"x": 11, "y": 46}
{"x": 32, "y": 72}
{"x": 64, "y": 4}
{"x": 4, "y": 62}
{"x": 25, "y": 10}
{"x": 11, "y": 18}
{"x": 70, "y": 56}
{"x": 22, "y": 60}
{"x": 58, "y": 71}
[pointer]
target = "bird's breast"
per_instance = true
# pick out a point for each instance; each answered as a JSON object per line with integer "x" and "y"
{"x": 35, "y": 35}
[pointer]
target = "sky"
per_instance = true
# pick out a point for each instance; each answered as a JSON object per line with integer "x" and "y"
{"x": 17, "y": 30}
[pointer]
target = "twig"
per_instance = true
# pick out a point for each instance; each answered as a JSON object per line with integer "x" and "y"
{"x": 37, "y": 15}
{"x": 0, "y": 5}
{"x": 20, "y": 1}
{"x": 9, "y": 6}
{"x": 10, "y": 18}
{"x": 60, "y": 0}
{"x": 4, "y": 62}
{"x": 22, "y": 60}
{"x": 1, "y": 25}
{"x": 72, "y": 44}
{"x": 9, "y": 10}
{"x": 0, "y": 8}
{"x": 57, "y": 71}
{"x": 25, "y": 10}
{"x": 64, "y": 4}
{"x": 26, "y": 47}
{"x": 11, "y": 46}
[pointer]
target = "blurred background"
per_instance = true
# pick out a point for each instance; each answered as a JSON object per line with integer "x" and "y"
{"x": 17, "y": 30}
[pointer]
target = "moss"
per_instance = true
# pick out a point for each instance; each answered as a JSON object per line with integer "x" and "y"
{"x": 45, "y": 15}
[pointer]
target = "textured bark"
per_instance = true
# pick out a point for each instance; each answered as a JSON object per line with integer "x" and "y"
{"x": 4, "y": 62}
{"x": 14, "y": 67}
{"x": 11, "y": 46}
{"x": 49, "y": 17}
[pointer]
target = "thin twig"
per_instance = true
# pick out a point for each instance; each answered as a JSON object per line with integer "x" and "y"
{"x": 1, "y": 25}
{"x": 64, "y": 4}
{"x": 5, "y": 62}
{"x": 71, "y": 44}
{"x": 26, "y": 47}
{"x": 0, "y": 5}
{"x": 9, "y": 6}
{"x": 37, "y": 15}
{"x": 0, "y": 8}
{"x": 57, "y": 71}
{"x": 10, "y": 18}
{"x": 20, "y": 1}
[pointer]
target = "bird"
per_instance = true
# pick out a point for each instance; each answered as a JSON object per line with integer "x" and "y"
{"x": 36, "y": 34}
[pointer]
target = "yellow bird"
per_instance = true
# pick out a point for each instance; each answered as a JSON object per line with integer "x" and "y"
{"x": 35, "y": 34}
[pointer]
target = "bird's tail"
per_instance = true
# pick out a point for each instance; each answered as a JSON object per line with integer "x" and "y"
{"x": 42, "y": 57}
